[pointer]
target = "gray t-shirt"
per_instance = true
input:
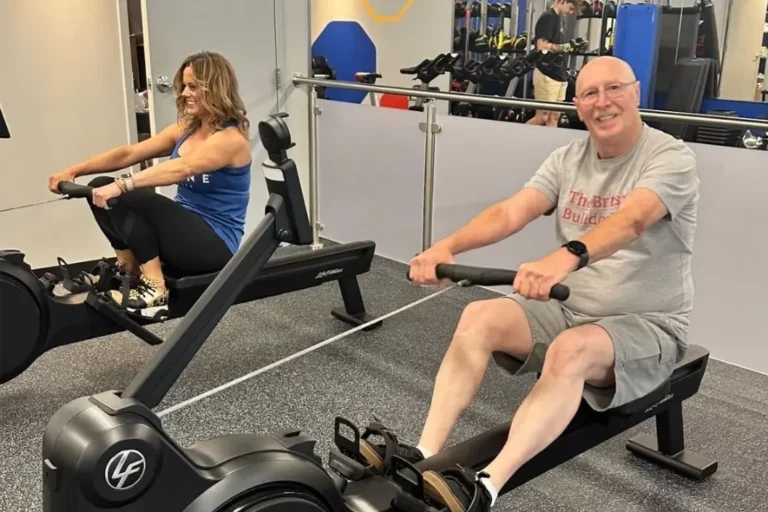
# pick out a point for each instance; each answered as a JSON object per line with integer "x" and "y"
{"x": 651, "y": 276}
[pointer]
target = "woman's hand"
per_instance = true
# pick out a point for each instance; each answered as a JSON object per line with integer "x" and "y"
{"x": 68, "y": 174}
{"x": 103, "y": 194}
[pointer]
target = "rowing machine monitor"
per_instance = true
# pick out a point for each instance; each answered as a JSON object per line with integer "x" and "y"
{"x": 283, "y": 179}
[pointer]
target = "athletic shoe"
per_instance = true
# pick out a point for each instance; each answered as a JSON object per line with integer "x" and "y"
{"x": 380, "y": 455}
{"x": 145, "y": 295}
{"x": 458, "y": 489}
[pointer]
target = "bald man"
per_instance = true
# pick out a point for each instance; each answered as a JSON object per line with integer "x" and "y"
{"x": 624, "y": 200}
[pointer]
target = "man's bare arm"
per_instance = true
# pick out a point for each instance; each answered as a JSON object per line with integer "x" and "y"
{"x": 498, "y": 221}
{"x": 543, "y": 44}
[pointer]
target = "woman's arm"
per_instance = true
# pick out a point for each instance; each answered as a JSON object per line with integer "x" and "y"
{"x": 221, "y": 149}
{"x": 121, "y": 157}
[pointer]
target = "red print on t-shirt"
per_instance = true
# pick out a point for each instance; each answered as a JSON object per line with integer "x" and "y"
{"x": 590, "y": 210}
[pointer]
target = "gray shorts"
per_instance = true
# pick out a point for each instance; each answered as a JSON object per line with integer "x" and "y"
{"x": 645, "y": 350}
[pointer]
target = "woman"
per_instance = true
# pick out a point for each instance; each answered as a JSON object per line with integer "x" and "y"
{"x": 210, "y": 161}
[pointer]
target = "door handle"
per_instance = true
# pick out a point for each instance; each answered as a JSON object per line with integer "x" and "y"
{"x": 164, "y": 83}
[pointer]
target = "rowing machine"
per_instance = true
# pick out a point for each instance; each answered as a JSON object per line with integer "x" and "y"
{"x": 34, "y": 319}
{"x": 110, "y": 452}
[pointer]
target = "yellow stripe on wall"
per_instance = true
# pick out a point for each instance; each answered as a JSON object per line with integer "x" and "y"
{"x": 381, "y": 18}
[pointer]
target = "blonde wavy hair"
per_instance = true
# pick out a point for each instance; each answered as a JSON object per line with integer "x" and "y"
{"x": 215, "y": 77}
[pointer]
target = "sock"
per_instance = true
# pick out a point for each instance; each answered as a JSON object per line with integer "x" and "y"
{"x": 426, "y": 453}
{"x": 491, "y": 489}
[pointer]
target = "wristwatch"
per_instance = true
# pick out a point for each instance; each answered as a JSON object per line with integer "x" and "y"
{"x": 578, "y": 249}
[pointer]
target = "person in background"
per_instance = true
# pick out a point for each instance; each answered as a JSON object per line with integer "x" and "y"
{"x": 549, "y": 81}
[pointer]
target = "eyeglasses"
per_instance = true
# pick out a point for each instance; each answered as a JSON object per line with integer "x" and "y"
{"x": 612, "y": 91}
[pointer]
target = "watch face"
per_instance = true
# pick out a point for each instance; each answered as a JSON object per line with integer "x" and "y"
{"x": 577, "y": 247}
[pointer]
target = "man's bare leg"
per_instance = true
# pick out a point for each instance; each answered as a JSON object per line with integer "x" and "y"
{"x": 485, "y": 326}
{"x": 579, "y": 355}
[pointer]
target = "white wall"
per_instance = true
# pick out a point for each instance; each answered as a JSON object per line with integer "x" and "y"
{"x": 425, "y": 31}
{"x": 63, "y": 87}
{"x": 293, "y": 44}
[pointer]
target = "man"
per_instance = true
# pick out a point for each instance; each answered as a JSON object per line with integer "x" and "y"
{"x": 625, "y": 200}
{"x": 550, "y": 82}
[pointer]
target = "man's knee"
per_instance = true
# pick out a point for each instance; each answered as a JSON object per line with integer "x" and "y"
{"x": 495, "y": 325}
{"x": 586, "y": 351}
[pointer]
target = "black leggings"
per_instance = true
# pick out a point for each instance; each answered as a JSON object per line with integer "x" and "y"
{"x": 151, "y": 225}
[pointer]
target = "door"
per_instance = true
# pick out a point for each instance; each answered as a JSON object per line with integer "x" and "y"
{"x": 742, "y": 52}
{"x": 243, "y": 31}
{"x": 65, "y": 84}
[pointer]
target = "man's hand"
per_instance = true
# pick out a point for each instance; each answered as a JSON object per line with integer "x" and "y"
{"x": 423, "y": 266}
{"x": 535, "y": 280}
{"x": 103, "y": 194}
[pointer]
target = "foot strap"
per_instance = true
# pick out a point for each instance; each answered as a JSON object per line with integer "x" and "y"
{"x": 391, "y": 445}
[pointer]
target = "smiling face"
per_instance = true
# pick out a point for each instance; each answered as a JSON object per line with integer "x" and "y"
{"x": 205, "y": 86}
{"x": 608, "y": 98}
{"x": 192, "y": 94}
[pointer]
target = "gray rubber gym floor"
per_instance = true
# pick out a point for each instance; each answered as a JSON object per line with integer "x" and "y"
{"x": 388, "y": 372}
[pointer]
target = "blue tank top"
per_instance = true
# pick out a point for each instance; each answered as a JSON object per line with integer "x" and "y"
{"x": 220, "y": 198}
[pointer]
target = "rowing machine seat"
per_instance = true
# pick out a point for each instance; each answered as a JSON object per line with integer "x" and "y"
{"x": 693, "y": 358}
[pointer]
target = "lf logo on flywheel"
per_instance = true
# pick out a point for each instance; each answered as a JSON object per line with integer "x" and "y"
{"x": 125, "y": 469}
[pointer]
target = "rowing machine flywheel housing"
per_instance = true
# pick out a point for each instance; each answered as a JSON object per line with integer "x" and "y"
{"x": 24, "y": 327}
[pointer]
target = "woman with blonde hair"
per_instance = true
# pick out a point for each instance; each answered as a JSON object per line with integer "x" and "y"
{"x": 210, "y": 162}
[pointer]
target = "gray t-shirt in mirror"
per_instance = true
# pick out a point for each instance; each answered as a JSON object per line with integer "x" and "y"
{"x": 652, "y": 275}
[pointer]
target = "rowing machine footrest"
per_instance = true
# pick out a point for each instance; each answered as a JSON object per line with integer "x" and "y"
{"x": 347, "y": 460}
{"x": 74, "y": 287}
{"x": 356, "y": 318}
{"x": 410, "y": 496}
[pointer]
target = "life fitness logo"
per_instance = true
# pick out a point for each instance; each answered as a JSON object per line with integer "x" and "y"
{"x": 383, "y": 18}
{"x": 125, "y": 470}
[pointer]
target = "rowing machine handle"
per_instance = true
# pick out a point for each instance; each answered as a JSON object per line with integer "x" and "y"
{"x": 80, "y": 191}
{"x": 491, "y": 277}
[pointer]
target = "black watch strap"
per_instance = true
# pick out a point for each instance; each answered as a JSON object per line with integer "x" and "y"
{"x": 580, "y": 250}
